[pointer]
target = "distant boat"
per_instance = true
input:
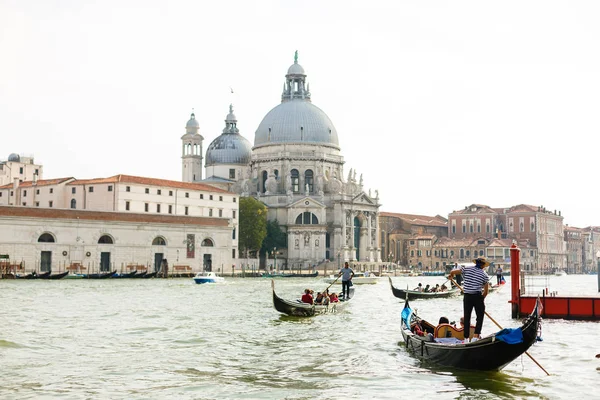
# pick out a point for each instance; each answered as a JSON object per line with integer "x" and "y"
{"x": 55, "y": 276}
{"x": 358, "y": 279}
{"x": 207, "y": 277}
{"x": 297, "y": 308}
{"x": 560, "y": 273}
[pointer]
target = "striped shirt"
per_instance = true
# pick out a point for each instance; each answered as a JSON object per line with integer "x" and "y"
{"x": 474, "y": 279}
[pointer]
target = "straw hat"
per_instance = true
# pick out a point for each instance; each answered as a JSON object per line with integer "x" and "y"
{"x": 481, "y": 262}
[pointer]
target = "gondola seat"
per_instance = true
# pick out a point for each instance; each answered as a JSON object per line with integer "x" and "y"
{"x": 447, "y": 331}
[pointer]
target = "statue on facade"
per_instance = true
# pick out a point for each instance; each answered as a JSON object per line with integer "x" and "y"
{"x": 349, "y": 176}
{"x": 361, "y": 181}
{"x": 271, "y": 184}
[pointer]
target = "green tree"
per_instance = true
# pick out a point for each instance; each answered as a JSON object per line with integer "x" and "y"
{"x": 275, "y": 238}
{"x": 253, "y": 225}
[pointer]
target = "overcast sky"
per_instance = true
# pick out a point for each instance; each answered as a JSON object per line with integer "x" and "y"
{"x": 439, "y": 104}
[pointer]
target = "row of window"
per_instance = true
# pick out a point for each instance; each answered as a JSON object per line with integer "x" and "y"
{"x": 295, "y": 179}
{"x": 110, "y": 189}
{"x": 170, "y": 209}
{"x": 107, "y": 239}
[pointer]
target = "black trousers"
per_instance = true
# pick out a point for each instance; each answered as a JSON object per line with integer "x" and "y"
{"x": 346, "y": 288}
{"x": 471, "y": 301}
{"x": 499, "y": 278}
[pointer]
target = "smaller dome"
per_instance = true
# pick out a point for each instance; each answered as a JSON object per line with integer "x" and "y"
{"x": 296, "y": 69}
{"x": 229, "y": 149}
{"x": 192, "y": 123}
{"x": 14, "y": 157}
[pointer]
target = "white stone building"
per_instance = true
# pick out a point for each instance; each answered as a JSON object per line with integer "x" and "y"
{"x": 296, "y": 168}
{"x": 20, "y": 168}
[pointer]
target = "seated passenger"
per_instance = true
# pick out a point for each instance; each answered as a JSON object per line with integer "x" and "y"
{"x": 333, "y": 298}
{"x": 319, "y": 298}
{"x": 443, "y": 288}
{"x": 443, "y": 320}
{"x": 419, "y": 288}
{"x": 426, "y": 290}
{"x": 436, "y": 288}
{"x": 326, "y": 297}
{"x": 307, "y": 297}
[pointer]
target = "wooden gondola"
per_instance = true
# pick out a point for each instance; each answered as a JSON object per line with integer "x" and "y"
{"x": 139, "y": 275}
{"x": 298, "y": 309}
{"x": 413, "y": 294}
{"x": 150, "y": 275}
{"x": 55, "y": 276}
{"x": 131, "y": 274}
{"x": 34, "y": 275}
{"x": 102, "y": 275}
{"x": 490, "y": 353}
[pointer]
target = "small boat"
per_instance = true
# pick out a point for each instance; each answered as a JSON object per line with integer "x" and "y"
{"x": 146, "y": 275}
{"x": 34, "y": 275}
{"x": 358, "y": 279}
{"x": 415, "y": 294}
{"x": 291, "y": 275}
{"x": 560, "y": 273}
{"x": 490, "y": 353}
{"x": 297, "y": 308}
{"x": 131, "y": 274}
{"x": 207, "y": 277}
{"x": 102, "y": 275}
{"x": 55, "y": 276}
{"x": 75, "y": 276}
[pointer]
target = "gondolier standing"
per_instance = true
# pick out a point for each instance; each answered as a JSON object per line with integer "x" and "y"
{"x": 475, "y": 287}
{"x": 346, "y": 273}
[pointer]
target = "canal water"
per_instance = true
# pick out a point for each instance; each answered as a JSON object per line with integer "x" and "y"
{"x": 157, "y": 339}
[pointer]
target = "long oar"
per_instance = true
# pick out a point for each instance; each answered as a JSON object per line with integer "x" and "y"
{"x": 338, "y": 277}
{"x": 499, "y": 326}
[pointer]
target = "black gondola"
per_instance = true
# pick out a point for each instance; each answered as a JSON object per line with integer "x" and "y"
{"x": 34, "y": 275}
{"x": 55, "y": 276}
{"x": 126, "y": 275}
{"x": 298, "y": 309}
{"x": 150, "y": 275}
{"x": 413, "y": 294}
{"x": 139, "y": 275}
{"x": 490, "y": 353}
{"x": 102, "y": 275}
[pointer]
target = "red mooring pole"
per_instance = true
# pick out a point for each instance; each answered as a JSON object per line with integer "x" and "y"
{"x": 515, "y": 279}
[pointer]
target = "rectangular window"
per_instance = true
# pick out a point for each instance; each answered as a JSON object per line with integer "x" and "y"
{"x": 52, "y": 190}
{"x": 158, "y": 208}
{"x": 170, "y": 209}
{"x": 12, "y": 193}
{"x": 146, "y": 206}
{"x": 0, "y": 194}
{"x": 24, "y": 193}
{"x": 231, "y": 173}
{"x": 21, "y": 170}
{"x": 128, "y": 188}
{"x": 147, "y": 191}
{"x": 170, "y": 193}
{"x": 232, "y": 253}
{"x": 186, "y": 210}
{"x": 233, "y": 234}
{"x": 220, "y": 198}
{"x": 234, "y": 199}
{"x": 158, "y": 191}
{"x": 37, "y": 171}
{"x": 73, "y": 190}
{"x": 233, "y": 214}
{"x": 90, "y": 189}
{"x": 220, "y": 213}
{"x": 127, "y": 206}
{"x": 24, "y": 204}
{"x": 110, "y": 188}
{"x": 210, "y": 197}
{"x": 50, "y": 204}
{"x": 37, "y": 203}
{"x": 210, "y": 212}
{"x": 37, "y": 191}
{"x": 187, "y": 194}
{"x": 201, "y": 196}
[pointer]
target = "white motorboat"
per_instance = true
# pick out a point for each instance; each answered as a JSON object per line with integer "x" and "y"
{"x": 560, "y": 273}
{"x": 207, "y": 277}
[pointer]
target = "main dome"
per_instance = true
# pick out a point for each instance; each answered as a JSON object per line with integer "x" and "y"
{"x": 296, "y": 121}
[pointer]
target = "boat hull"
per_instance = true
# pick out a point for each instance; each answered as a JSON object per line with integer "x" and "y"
{"x": 486, "y": 354}
{"x": 296, "y": 308}
{"x": 208, "y": 280}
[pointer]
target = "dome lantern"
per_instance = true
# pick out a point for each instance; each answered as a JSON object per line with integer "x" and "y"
{"x": 295, "y": 80}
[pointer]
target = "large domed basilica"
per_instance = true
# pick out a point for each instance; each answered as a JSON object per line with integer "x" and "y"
{"x": 297, "y": 170}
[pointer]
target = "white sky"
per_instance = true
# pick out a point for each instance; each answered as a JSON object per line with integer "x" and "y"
{"x": 439, "y": 104}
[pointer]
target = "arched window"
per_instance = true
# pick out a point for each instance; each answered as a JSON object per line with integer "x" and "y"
{"x": 159, "y": 241}
{"x": 46, "y": 238}
{"x": 207, "y": 243}
{"x": 307, "y": 218}
{"x": 295, "y": 180}
{"x": 308, "y": 179}
{"x": 264, "y": 181}
{"x": 73, "y": 203}
{"x": 105, "y": 239}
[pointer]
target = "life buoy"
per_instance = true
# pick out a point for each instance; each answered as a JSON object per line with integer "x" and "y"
{"x": 64, "y": 253}
{"x": 88, "y": 254}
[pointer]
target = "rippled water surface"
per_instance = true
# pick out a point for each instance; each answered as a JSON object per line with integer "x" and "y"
{"x": 156, "y": 339}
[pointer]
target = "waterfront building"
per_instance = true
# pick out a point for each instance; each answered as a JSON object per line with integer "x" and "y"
{"x": 186, "y": 215}
{"x": 20, "y": 168}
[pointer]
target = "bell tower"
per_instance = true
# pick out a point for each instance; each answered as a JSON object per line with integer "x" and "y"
{"x": 191, "y": 152}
